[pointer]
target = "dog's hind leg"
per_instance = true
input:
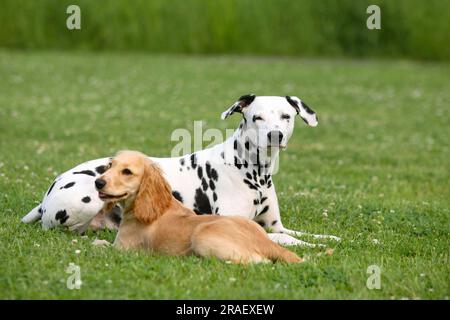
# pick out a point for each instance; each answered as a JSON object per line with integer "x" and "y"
{"x": 34, "y": 215}
{"x": 220, "y": 240}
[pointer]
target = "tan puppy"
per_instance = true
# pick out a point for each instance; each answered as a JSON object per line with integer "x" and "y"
{"x": 154, "y": 219}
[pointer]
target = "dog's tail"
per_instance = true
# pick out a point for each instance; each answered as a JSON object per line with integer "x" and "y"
{"x": 277, "y": 253}
{"x": 34, "y": 215}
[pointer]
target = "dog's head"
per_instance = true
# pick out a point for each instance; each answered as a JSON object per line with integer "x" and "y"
{"x": 269, "y": 120}
{"x": 137, "y": 182}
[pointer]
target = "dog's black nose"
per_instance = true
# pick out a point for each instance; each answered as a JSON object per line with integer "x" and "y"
{"x": 275, "y": 136}
{"x": 100, "y": 183}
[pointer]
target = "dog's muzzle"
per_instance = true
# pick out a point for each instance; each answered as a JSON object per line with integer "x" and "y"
{"x": 274, "y": 138}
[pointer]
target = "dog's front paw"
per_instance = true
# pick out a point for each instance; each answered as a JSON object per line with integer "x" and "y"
{"x": 333, "y": 238}
{"x": 101, "y": 243}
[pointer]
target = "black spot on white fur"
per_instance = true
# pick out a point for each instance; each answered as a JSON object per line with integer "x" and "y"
{"x": 177, "y": 196}
{"x": 250, "y": 185}
{"x": 204, "y": 184}
{"x": 67, "y": 186}
{"x": 100, "y": 169}
{"x": 237, "y": 163}
{"x": 51, "y": 188}
{"x": 88, "y": 172}
{"x": 308, "y": 109}
{"x": 202, "y": 204}
{"x": 246, "y": 99}
{"x": 293, "y": 103}
{"x": 86, "y": 199}
{"x": 208, "y": 169}
{"x": 214, "y": 174}
{"x": 62, "y": 216}
{"x": 264, "y": 210}
{"x": 193, "y": 161}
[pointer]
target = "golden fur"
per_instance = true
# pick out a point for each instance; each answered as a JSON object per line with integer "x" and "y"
{"x": 153, "y": 219}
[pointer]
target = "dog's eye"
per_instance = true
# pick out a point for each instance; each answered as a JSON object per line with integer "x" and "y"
{"x": 285, "y": 116}
{"x": 127, "y": 172}
{"x": 257, "y": 118}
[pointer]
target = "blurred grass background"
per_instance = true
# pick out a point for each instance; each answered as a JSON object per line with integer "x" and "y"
{"x": 413, "y": 29}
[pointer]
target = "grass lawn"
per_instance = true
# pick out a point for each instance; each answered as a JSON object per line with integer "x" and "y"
{"x": 375, "y": 171}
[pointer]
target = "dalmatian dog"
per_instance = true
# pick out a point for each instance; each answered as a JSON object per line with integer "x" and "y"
{"x": 231, "y": 178}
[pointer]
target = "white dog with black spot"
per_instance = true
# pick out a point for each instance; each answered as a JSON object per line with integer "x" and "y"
{"x": 231, "y": 178}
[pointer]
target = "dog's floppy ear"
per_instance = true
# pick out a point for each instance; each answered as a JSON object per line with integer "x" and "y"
{"x": 239, "y": 105}
{"x": 154, "y": 196}
{"x": 305, "y": 112}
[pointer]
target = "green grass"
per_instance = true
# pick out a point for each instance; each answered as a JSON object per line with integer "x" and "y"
{"x": 378, "y": 163}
